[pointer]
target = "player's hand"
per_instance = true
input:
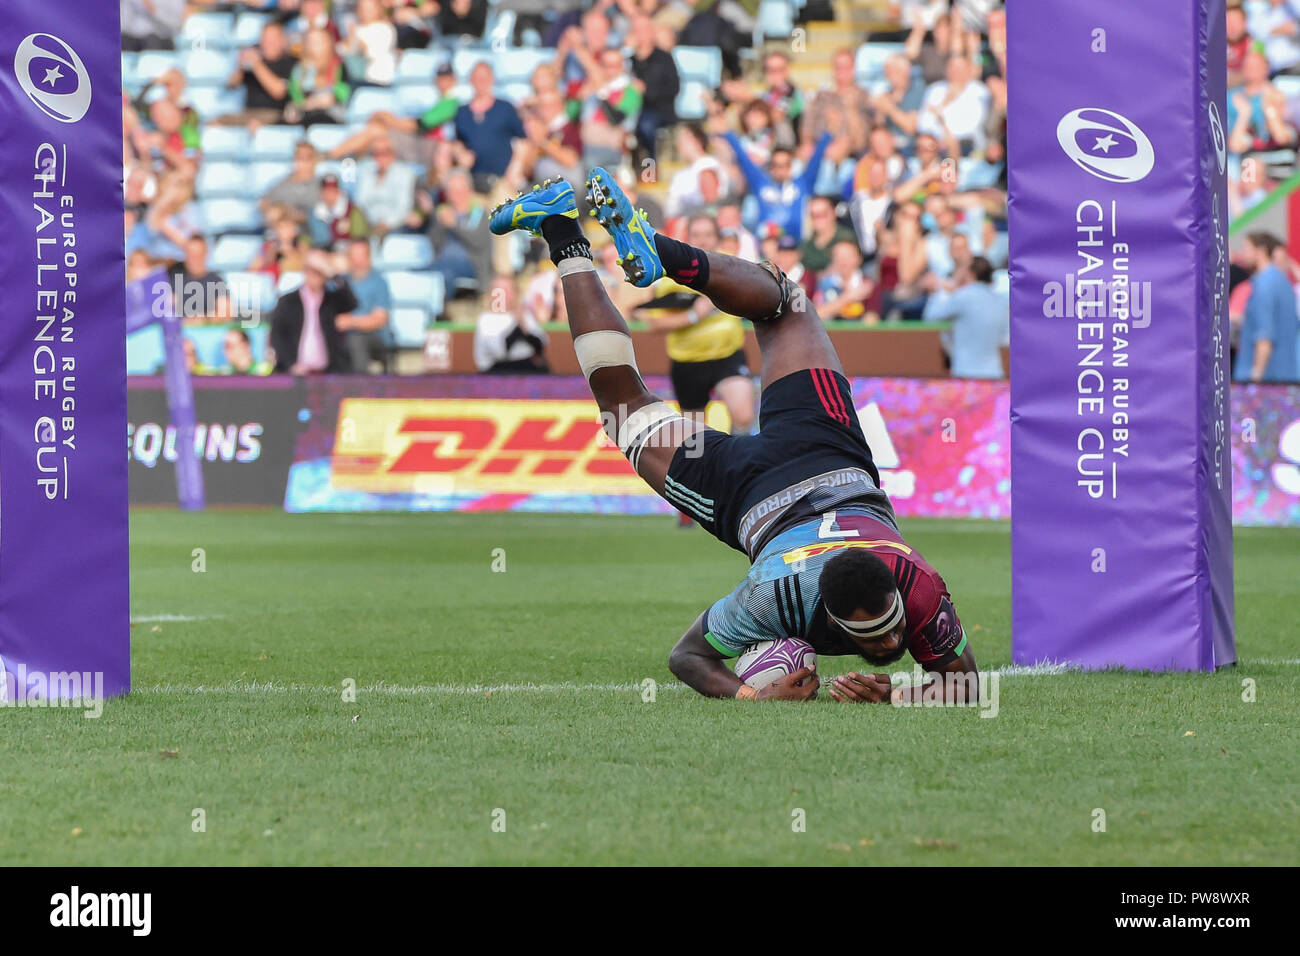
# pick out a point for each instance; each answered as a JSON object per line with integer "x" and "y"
{"x": 788, "y": 687}
{"x": 855, "y": 688}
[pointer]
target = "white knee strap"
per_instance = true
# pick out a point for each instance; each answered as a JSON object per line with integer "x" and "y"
{"x": 639, "y": 428}
{"x": 603, "y": 349}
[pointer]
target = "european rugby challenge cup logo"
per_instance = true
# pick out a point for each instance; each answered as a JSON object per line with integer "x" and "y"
{"x": 1105, "y": 144}
{"x": 53, "y": 77}
{"x": 1216, "y": 133}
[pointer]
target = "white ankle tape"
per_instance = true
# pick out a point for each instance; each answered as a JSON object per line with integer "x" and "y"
{"x": 574, "y": 265}
{"x": 603, "y": 348}
{"x": 639, "y": 428}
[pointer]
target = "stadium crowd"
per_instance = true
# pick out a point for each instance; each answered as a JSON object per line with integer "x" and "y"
{"x": 275, "y": 148}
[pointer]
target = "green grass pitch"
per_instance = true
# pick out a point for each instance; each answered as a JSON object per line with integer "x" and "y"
{"x": 238, "y": 710}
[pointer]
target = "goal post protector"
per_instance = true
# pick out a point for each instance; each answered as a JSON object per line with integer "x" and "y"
{"x": 1120, "y": 446}
{"x": 64, "y": 561}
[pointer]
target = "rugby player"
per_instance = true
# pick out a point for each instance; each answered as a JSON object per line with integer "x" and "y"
{"x": 801, "y": 499}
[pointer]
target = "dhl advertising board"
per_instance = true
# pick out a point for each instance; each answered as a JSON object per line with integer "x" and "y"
{"x": 491, "y": 443}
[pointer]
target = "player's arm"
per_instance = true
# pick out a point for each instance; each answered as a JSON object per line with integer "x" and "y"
{"x": 699, "y": 665}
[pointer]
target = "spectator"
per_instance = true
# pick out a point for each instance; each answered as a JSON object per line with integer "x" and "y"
{"x": 1240, "y": 43}
{"x": 610, "y": 106}
{"x": 781, "y": 95}
{"x": 956, "y": 107}
{"x": 940, "y": 219}
{"x": 459, "y": 233}
{"x": 237, "y": 349}
{"x": 172, "y": 144}
{"x": 843, "y": 289}
{"x": 385, "y": 189}
{"x": 462, "y": 18}
{"x": 730, "y": 221}
{"x": 781, "y": 197}
{"x": 303, "y": 333}
{"x": 1256, "y": 111}
{"x": 285, "y": 245}
{"x": 897, "y": 101}
{"x": 335, "y": 217}
{"x": 784, "y": 251}
{"x": 300, "y": 190}
{"x": 544, "y": 298}
{"x": 930, "y": 46}
{"x": 824, "y": 232}
{"x": 655, "y": 72}
{"x": 844, "y": 109}
{"x": 1276, "y": 25}
{"x": 883, "y": 152}
{"x": 1266, "y": 350}
{"x": 364, "y": 328}
{"x": 506, "y": 339}
{"x": 151, "y": 24}
{"x": 263, "y": 73}
{"x": 579, "y": 48}
{"x": 203, "y": 296}
{"x": 980, "y": 317}
{"x": 684, "y": 189}
{"x": 374, "y": 38}
{"x": 172, "y": 218}
{"x": 414, "y": 139}
{"x": 318, "y": 83}
{"x": 552, "y": 146}
{"x": 415, "y": 21}
{"x": 485, "y": 130}
{"x": 869, "y": 207}
{"x": 311, "y": 15}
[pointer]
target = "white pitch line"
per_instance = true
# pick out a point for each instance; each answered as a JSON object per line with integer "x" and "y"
{"x": 172, "y": 618}
{"x": 559, "y": 687}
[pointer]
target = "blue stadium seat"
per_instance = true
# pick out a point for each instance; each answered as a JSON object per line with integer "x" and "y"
{"x": 516, "y": 64}
{"x": 234, "y": 253}
{"x": 408, "y": 326}
{"x": 464, "y": 58}
{"x": 416, "y": 289}
{"x": 230, "y": 215}
{"x": 130, "y": 72}
{"x": 218, "y": 179}
{"x": 288, "y": 282}
{"x": 326, "y": 136}
{"x": 225, "y": 142}
{"x": 144, "y": 351}
{"x": 211, "y": 102}
{"x": 413, "y": 100}
{"x": 1288, "y": 85}
{"x": 248, "y": 28}
{"x": 416, "y": 67}
{"x": 869, "y": 64}
{"x": 152, "y": 64}
{"x": 207, "y": 343}
{"x": 207, "y": 67}
{"x": 701, "y": 63}
{"x": 276, "y": 142}
{"x": 775, "y": 19}
{"x": 210, "y": 31}
{"x": 262, "y": 176}
{"x": 690, "y": 101}
{"x": 368, "y": 100}
{"x": 251, "y": 293}
{"x": 410, "y": 252}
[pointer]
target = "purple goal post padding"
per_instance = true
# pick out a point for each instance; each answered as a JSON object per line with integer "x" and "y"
{"x": 64, "y": 591}
{"x": 1120, "y": 453}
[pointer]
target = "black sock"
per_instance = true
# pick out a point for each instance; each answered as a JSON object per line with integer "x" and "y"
{"x": 685, "y": 263}
{"x": 565, "y": 238}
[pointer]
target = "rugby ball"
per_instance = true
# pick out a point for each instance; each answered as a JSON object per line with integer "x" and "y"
{"x": 766, "y": 661}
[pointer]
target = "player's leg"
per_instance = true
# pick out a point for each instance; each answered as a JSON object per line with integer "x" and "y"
{"x": 790, "y": 334}
{"x": 645, "y": 429}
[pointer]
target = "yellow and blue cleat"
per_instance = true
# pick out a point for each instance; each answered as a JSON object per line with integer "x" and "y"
{"x": 632, "y": 234}
{"x": 554, "y": 197}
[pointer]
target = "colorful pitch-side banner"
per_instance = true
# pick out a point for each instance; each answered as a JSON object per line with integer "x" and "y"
{"x": 1121, "y": 460}
{"x": 64, "y": 611}
{"x": 941, "y": 445}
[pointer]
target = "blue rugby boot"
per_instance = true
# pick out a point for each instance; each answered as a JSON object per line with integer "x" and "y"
{"x": 554, "y": 197}
{"x": 632, "y": 234}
